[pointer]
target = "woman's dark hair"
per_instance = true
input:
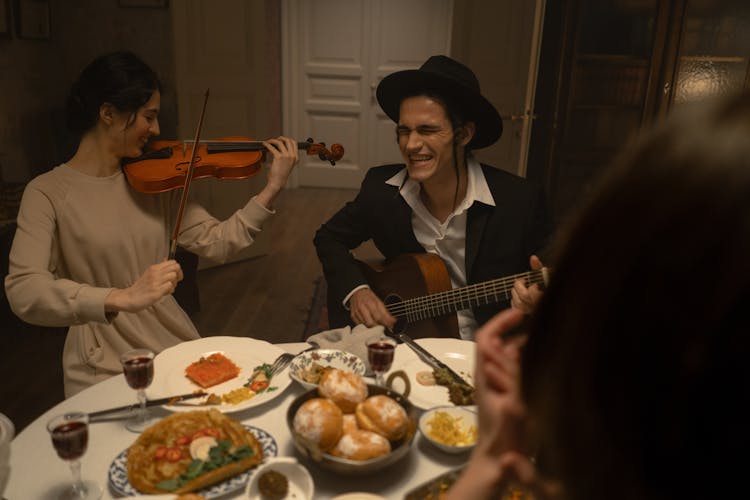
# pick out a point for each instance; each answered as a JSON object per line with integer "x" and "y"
{"x": 636, "y": 366}
{"x": 118, "y": 78}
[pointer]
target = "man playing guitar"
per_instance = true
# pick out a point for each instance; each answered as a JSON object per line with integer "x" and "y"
{"x": 483, "y": 222}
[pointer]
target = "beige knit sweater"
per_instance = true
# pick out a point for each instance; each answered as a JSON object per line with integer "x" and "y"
{"x": 79, "y": 236}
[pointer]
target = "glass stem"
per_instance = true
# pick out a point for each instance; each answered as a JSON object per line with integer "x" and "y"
{"x": 142, "y": 402}
{"x": 75, "y": 469}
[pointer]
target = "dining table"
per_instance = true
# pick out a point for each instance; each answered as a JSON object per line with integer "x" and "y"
{"x": 36, "y": 472}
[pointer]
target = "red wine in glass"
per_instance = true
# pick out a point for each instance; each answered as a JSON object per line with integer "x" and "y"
{"x": 70, "y": 439}
{"x": 380, "y": 355}
{"x": 139, "y": 371}
{"x": 138, "y": 368}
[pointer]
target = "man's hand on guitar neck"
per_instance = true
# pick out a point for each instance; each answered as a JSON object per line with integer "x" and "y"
{"x": 526, "y": 298}
{"x": 367, "y": 309}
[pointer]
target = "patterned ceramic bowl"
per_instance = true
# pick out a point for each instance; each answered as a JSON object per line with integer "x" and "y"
{"x": 304, "y": 364}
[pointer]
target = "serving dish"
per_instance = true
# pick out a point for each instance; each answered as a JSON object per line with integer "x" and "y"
{"x": 118, "y": 470}
{"x": 467, "y": 418}
{"x": 335, "y": 358}
{"x": 301, "y": 486}
{"x": 435, "y": 487}
{"x": 399, "y": 449}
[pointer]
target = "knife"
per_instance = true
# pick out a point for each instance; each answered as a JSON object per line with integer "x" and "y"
{"x": 102, "y": 414}
{"x": 428, "y": 358}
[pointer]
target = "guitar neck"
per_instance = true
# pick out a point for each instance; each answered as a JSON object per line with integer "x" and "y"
{"x": 458, "y": 299}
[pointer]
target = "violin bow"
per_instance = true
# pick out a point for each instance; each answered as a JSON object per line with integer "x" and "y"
{"x": 188, "y": 179}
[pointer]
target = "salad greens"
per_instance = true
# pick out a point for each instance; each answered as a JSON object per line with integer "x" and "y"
{"x": 217, "y": 457}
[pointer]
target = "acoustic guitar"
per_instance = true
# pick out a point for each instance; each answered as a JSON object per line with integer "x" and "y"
{"x": 417, "y": 291}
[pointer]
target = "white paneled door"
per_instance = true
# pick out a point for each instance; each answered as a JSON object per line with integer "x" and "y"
{"x": 335, "y": 53}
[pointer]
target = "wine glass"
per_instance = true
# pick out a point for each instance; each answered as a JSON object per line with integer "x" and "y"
{"x": 380, "y": 355}
{"x": 138, "y": 367}
{"x": 70, "y": 436}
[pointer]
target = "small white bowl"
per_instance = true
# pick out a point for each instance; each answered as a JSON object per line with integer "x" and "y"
{"x": 467, "y": 416}
{"x": 334, "y": 358}
{"x": 301, "y": 486}
{"x": 358, "y": 495}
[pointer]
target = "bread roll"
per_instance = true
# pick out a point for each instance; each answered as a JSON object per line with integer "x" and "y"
{"x": 361, "y": 445}
{"x": 346, "y": 389}
{"x": 350, "y": 423}
{"x": 320, "y": 422}
{"x": 384, "y": 416}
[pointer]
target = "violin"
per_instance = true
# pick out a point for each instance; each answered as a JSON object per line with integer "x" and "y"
{"x": 165, "y": 166}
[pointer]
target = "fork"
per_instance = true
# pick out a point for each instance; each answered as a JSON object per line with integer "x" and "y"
{"x": 280, "y": 363}
{"x": 285, "y": 358}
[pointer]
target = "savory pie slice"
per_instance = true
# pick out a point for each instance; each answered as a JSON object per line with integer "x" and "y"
{"x": 212, "y": 370}
{"x": 189, "y": 451}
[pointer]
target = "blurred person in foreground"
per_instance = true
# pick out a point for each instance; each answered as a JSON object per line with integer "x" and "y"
{"x": 633, "y": 383}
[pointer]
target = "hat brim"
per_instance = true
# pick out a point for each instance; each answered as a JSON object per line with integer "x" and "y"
{"x": 397, "y": 86}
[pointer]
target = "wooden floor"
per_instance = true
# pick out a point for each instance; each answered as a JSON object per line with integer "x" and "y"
{"x": 267, "y": 297}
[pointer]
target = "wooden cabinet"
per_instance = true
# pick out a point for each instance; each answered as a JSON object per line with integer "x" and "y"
{"x": 609, "y": 67}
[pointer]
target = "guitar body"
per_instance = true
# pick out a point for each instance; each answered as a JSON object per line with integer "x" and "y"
{"x": 410, "y": 276}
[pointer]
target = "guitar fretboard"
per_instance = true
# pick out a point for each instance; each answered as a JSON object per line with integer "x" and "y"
{"x": 458, "y": 299}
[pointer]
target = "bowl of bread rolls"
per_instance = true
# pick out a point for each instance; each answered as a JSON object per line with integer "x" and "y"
{"x": 351, "y": 427}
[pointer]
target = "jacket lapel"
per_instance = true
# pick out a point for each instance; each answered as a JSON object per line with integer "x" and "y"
{"x": 404, "y": 234}
{"x": 476, "y": 221}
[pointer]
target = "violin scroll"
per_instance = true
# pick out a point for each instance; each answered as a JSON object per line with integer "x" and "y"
{"x": 333, "y": 155}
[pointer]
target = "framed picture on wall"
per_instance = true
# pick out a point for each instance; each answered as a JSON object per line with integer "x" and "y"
{"x": 159, "y": 4}
{"x": 32, "y": 19}
{"x": 4, "y": 18}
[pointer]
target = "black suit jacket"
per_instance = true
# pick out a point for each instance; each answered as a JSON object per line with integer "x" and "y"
{"x": 499, "y": 239}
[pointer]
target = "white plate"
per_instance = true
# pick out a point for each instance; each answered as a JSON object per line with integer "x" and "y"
{"x": 246, "y": 353}
{"x": 118, "y": 471}
{"x": 150, "y": 497}
{"x": 456, "y": 353}
{"x": 358, "y": 495}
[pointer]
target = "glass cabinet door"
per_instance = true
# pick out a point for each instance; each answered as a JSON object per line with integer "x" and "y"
{"x": 714, "y": 49}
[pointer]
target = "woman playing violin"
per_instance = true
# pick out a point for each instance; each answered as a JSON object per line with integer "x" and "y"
{"x": 90, "y": 252}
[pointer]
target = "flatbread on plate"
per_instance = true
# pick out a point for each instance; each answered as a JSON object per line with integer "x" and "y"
{"x": 160, "y": 461}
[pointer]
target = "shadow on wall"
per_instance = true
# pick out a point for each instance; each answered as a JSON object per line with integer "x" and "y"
{"x": 46, "y": 141}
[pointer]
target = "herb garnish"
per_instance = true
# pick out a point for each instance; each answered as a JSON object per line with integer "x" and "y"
{"x": 259, "y": 386}
{"x": 218, "y": 456}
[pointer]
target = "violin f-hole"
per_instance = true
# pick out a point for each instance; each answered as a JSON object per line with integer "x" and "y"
{"x": 178, "y": 166}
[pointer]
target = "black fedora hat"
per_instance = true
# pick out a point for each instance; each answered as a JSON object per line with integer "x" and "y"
{"x": 448, "y": 79}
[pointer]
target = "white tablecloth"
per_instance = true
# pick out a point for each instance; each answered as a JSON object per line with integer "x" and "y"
{"x": 37, "y": 473}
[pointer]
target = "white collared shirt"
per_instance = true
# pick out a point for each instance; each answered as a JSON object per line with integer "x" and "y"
{"x": 447, "y": 239}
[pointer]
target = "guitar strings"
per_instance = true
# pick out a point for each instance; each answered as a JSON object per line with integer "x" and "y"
{"x": 448, "y": 301}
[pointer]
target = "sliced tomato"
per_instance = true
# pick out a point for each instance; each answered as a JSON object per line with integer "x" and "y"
{"x": 160, "y": 452}
{"x": 174, "y": 454}
{"x": 198, "y": 434}
{"x": 212, "y": 432}
{"x": 259, "y": 385}
{"x": 182, "y": 441}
